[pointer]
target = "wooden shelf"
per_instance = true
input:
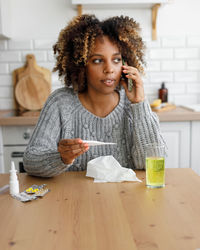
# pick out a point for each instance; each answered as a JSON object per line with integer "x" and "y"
{"x": 113, "y": 4}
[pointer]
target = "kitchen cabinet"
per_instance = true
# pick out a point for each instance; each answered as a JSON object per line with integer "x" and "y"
{"x": 195, "y": 146}
{"x": 180, "y": 128}
{"x": 13, "y": 143}
{"x": 1, "y": 151}
{"x": 183, "y": 140}
{"x": 5, "y": 19}
{"x": 177, "y": 137}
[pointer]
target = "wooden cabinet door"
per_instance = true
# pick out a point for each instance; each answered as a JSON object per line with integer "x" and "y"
{"x": 177, "y": 136}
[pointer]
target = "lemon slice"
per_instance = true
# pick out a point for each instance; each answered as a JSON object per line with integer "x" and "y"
{"x": 156, "y": 103}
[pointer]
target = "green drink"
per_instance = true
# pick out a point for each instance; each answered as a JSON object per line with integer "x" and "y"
{"x": 155, "y": 165}
{"x": 155, "y": 172}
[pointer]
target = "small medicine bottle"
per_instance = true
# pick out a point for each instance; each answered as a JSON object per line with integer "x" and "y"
{"x": 14, "y": 183}
{"x": 163, "y": 93}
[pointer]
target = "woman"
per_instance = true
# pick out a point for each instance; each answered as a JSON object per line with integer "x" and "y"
{"x": 93, "y": 105}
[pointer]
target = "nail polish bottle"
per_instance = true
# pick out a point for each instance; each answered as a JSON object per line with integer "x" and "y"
{"x": 163, "y": 93}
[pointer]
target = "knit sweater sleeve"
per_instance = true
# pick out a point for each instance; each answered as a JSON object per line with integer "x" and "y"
{"x": 146, "y": 129}
{"x": 41, "y": 157}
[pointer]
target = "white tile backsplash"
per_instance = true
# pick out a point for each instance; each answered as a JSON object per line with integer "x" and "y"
{"x": 169, "y": 42}
{"x": 10, "y": 56}
{"x": 20, "y": 44}
{"x": 151, "y": 89}
{"x": 48, "y": 65}
{"x": 6, "y": 92}
{"x": 185, "y": 77}
{"x": 152, "y": 43}
{"x": 193, "y": 88}
{"x": 193, "y": 65}
{"x": 50, "y": 56}
{"x": 5, "y": 80}
{"x": 161, "y": 54}
{"x": 4, "y": 69}
{"x": 153, "y": 66}
{"x": 3, "y": 44}
{"x": 193, "y": 41}
{"x": 186, "y": 99}
{"x": 172, "y": 65}
{"x": 44, "y": 44}
{"x": 175, "y": 60}
{"x": 6, "y": 103}
{"x": 40, "y": 56}
{"x": 158, "y": 77}
{"x": 13, "y": 66}
{"x": 176, "y": 89}
{"x": 186, "y": 53}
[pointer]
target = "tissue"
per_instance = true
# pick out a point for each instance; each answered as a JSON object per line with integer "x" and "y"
{"x": 108, "y": 169}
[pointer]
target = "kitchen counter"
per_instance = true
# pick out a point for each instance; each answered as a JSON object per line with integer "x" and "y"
{"x": 9, "y": 117}
{"x": 179, "y": 114}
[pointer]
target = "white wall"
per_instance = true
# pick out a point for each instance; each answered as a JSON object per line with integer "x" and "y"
{"x": 174, "y": 57}
{"x": 181, "y": 17}
{"x": 39, "y": 18}
{"x": 45, "y": 18}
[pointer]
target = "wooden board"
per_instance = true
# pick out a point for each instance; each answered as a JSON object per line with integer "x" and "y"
{"x": 168, "y": 107}
{"x": 17, "y": 73}
{"x": 32, "y": 91}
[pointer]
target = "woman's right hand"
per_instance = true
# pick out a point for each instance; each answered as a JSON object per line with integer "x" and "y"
{"x": 70, "y": 149}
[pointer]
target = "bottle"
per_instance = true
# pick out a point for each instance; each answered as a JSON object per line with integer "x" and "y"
{"x": 14, "y": 183}
{"x": 163, "y": 93}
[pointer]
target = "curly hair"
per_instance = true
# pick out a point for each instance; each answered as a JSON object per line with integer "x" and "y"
{"x": 77, "y": 40}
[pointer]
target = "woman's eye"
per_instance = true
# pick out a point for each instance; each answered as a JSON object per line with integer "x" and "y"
{"x": 117, "y": 60}
{"x": 97, "y": 60}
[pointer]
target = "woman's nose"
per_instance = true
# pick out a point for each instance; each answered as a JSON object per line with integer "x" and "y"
{"x": 108, "y": 69}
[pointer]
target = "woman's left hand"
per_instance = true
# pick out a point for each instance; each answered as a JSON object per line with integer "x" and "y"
{"x": 137, "y": 93}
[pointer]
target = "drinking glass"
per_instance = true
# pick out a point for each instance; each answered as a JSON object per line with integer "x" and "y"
{"x": 155, "y": 165}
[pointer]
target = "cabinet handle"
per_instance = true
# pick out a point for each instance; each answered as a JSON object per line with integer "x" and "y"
{"x": 26, "y": 135}
{"x": 17, "y": 154}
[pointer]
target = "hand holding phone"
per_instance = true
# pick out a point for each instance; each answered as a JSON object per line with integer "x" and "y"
{"x": 132, "y": 83}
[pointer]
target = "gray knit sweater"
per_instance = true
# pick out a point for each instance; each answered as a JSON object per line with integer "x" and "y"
{"x": 131, "y": 126}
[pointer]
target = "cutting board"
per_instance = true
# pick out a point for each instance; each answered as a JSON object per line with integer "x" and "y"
{"x": 167, "y": 107}
{"x": 31, "y": 85}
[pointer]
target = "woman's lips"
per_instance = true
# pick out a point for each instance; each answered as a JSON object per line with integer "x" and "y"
{"x": 108, "y": 82}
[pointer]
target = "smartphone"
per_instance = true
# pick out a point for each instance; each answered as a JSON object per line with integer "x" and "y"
{"x": 130, "y": 81}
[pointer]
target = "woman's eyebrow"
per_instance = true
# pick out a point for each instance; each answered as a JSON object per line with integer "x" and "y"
{"x": 115, "y": 54}
{"x": 96, "y": 55}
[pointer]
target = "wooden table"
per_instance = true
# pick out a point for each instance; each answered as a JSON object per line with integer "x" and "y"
{"x": 79, "y": 214}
